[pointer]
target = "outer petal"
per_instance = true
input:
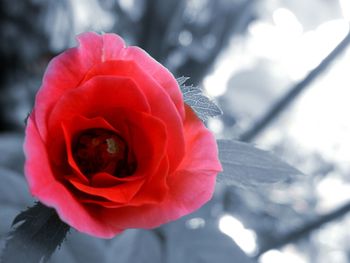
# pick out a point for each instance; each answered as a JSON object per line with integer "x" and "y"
{"x": 65, "y": 72}
{"x": 153, "y": 68}
{"x": 43, "y": 186}
{"x": 159, "y": 73}
{"x": 189, "y": 187}
{"x": 201, "y": 148}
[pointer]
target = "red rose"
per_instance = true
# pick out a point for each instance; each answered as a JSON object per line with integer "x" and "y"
{"x": 110, "y": 144}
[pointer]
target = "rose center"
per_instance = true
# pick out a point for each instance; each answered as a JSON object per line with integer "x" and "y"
{"x": 100, "y": 150}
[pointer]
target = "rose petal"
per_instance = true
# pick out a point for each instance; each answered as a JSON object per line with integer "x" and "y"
{"x": 103, "y": 204}
{"x": 52, "y": 193}
{"x": 65, "y": 72}
{"x": 148, "y": 138}
{"x": 161, "y": 75}
{"x": 153, "y": 191}
{"x": 113, "y": 46}
{"x": 113, "y": 49}
{"x": 155, "y": 188}
{"x": 201, "y": 148}
{"x": 121, "y": 193}
{"x": 107, "y": 180}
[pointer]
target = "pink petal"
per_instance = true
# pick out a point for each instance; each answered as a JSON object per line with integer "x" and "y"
{"x": 65, "y": 72}
{"x": 121, "y": 193}
{"x": 159, "y": 73}
{"x": 201, "y": 148}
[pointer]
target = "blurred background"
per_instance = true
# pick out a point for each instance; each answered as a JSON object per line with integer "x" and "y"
{"x": 280, "y": 71}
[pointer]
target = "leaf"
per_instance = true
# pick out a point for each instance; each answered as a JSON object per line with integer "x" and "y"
{"x": 245, "y": 165}
{"x": 38, "y": 233}
{"x": 181, "y": 80}
{"x": 194, "y": 97}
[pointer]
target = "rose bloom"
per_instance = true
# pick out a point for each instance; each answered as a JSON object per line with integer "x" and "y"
{"x": 110, "y": 144}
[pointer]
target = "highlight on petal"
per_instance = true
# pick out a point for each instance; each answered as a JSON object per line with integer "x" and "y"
{"x": 113, "y": 47}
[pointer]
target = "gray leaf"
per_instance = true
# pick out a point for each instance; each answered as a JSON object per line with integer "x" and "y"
{"x": 194, "y": 97}
{"x": 181, "y": 80}
{"x": 245, "y": 165}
